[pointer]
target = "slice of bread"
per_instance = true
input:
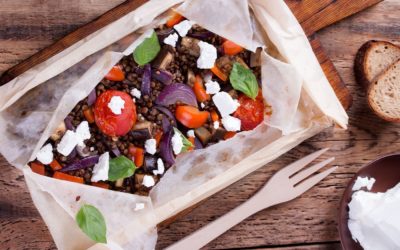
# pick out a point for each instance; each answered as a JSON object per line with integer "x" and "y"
{"x": 384, "y": 93}
{"x": 373, "y": 58}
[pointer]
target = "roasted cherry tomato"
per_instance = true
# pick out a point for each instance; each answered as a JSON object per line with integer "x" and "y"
{"x": 231, "y": 48}
{"x": 250, "y": 112}
{"x": 116, "y": 74}
{"x": 112, "y": 124}
{"x": 191, "y": 117}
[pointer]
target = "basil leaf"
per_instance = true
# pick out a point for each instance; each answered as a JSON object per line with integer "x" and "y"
{"x": 120, "y": 167}
{"x": 147, "y": 50}
{"x": 186, "y": 143}
{"x": 92, "y": 223}
{"x": 244, "y": 80}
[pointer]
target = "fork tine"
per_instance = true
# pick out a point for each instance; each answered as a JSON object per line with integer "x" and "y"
{"x": 309, "y": 171}
{"x": 298, "y": 165}
{"x": 309, "y": 183}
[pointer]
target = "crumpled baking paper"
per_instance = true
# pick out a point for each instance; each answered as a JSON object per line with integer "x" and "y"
{"x": 34, "y": 104}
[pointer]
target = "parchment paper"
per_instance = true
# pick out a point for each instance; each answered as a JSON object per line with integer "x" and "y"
{"x": 33, "y": 104}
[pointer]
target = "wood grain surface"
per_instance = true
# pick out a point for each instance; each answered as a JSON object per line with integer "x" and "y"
{"x": 309, "y": 222}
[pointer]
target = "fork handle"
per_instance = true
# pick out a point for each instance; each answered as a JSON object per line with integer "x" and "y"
{"x": 214, "y": 229}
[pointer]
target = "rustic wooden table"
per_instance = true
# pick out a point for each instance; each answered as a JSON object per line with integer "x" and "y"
{"x": 309, "y": 222}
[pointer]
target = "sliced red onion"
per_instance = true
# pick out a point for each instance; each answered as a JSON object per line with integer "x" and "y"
{"x": 81, "y": 164}
{"x": 92, "y": 97}
{"x": 162, "y": 76}
{"x": 116, "y": 152}
{"x": 166, "y": 125}
{"x": 176, "y": 92}
{"x": 197, "y": 144}
{"x": 146, "y": 80}
{"x": 166, "y": 148}
{"x": 68, "y": 123}
{"x": 72, "y": 155}
{"x": 201, "y": 34}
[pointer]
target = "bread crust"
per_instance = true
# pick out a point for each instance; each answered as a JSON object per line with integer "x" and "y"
{"x": 370, "y": 96}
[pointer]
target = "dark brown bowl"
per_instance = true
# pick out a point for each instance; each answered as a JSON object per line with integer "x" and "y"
{"x": 386, "y": 171}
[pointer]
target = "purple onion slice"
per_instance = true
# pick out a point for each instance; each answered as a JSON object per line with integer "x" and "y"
{"x": 176, "y": 92}
{"x": 146, "y": 80}
{"x": 92, "y": 97}
{"x": 81, "y": 164}
{"x": 166, "y": 148}
{"x": 162, "y": 76}
{"x": 68, "y": 123}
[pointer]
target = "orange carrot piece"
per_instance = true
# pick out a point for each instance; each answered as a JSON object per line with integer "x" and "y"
{"x": 200, "y": 91}
{"x": 101, "y": 185}
{"x": 229, "y": 135}
{"x": 221, "y": 75}
{"x": 214, "y": 116}
{"x": 67, "y": 177}
{"x": 88, "y": 113}
{"x": 55, "y": 165}
{"x": 231, "y": 48}
{"x": 158, "y": 136}
{"x": 191, "y": 139}
{"x": 116, "y": 74}
{"x": 174, "y": 19}
{"x": 37, "y": 168}
{"x": 137, "y": 154}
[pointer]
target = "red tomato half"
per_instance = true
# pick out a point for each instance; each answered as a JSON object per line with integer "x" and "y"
{"x": 250, "y": 112}
{"x": 110, "y": 123}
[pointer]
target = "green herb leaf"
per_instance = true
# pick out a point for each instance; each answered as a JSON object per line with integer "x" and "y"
{"x": 92, "y": 223}
{"x": 120, "y": 167}
{"x": 186, "y": 143}
{"x": 244, "y": 80}
{"x": 147, "y": 50}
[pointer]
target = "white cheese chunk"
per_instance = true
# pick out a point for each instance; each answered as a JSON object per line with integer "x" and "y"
{"x": 136, "y": 93}
{"x": 363, "y": 182}
{"x": 100, "y": 170}
{"x": 82, "y": 133}
{"x": 216, "y": 124}
{"x": 171, "y": 39}
{"x": 208, "y": 55}
{"x": 190, "y": 133}
{"x": 177, "y": 143}
{"x": 231, "y": 123}
{"x": 160, "y": 167}
{"x": 183, "y": 27}
{"x": 116, "y": 105}
{"x": 212, "y": 87}
{"x": 225, "y": 104}
{"x": 45, "y": 154}
{"x": 67, "y": 143}
{"x": 202, "y": 105}
{"x": 139, "y": 206}
{"x": 151, "y": 146}
{"x": 148, "y": 181}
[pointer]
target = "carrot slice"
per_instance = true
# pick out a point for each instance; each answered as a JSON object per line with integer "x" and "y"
{"x": 229, "y": 134}
{"x": 137, "y": 154}
{"x": 214, "y": 116}
{"x": 101, "y": 185}
{"x": 88, "y": 113}
{"x": 37, "y": 168}
{"x": 199, "y": 90}
{"x": 158, "y": 136}
{"x": 67, "y": 177}
{"x": 55, "y": 165}
{"x": 219, "y": 73}
{"x": 191, "y": 139}
{"x": 174, "y": 19}
{"x": 231, "y": 48}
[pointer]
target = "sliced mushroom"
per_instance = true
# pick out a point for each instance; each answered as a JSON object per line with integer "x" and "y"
{"x": 164, "y": 58}
{"x": 203, "y": 134}
{"x": 217, "y": 134}
{"x": 142, "y": 130}
{"x": 119, "y": 183}
{"x": 191, "y": 78}
{"x": 60, "y": 130}
{"x": 241, "y": 61}
{"x": 190, "y": 45}
{"x": 225, "y": 63}
{"x": 255, "y": 58}
{"x": 233, "y": 93}
{"x": 138, "y": 181}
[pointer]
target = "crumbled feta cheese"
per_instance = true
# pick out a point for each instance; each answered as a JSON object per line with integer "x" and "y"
{"x": 231, "y": 123}
{"x": 202, "y": 105}
{"x": 91, "y": 149}
{"x": 136, "y": 93}
{"x": 151, "y": 146}
{"x": 67, "y": 143}
{"x": 208, "y": 55}
{"x": 216, "y": 124}
{"x": 226, "y": 105}
{"x": 160, "y": 167}
{"x": 45, "y": 154}
{"x": 183, "y": 27}
{"x": 116, "y": 105}
{"x": 190, "y": 133}
{"x": 100, "y": 170}
{"x": 82, "y": 133}
{"x": 171, "y": 39}
{"x": 177, "y": 143}
{"x": 212, "y": 87}
{"x": 139, "y": 206}
{"x": 363, "y": 182}
{"x": 148, "y": 181}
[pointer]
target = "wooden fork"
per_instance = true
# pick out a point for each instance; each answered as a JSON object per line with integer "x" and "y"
{"x": 285, "y": 185}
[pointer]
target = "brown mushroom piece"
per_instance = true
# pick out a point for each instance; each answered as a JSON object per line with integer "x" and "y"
{"x": 225, "y": 63}
{"x": 164, "y": 58}
{"x": 138, "y": 181}
{"x": 217, "y": 134}
{"x": 142, "y": 130}
{"x": 60, "y": 130}
{"x": 190, "y": 45}
{"x": 191, "y": 78}
{"x": 203, "y": 135}
{"x": 255, "y": 58}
